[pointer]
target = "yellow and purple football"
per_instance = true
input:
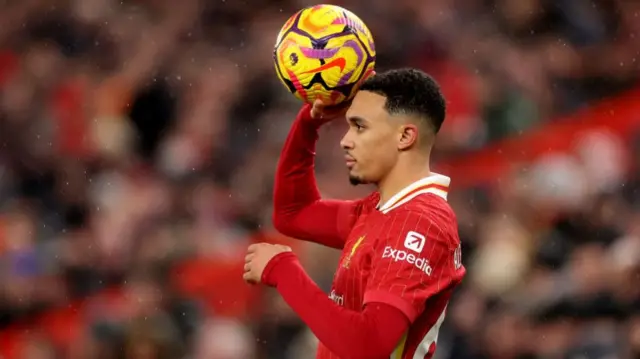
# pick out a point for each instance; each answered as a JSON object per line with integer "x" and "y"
{"x": 324, "y": 52}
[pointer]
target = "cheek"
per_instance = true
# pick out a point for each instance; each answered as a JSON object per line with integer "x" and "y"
{"x": 379, "y": 141}
{"x": 379, "y": 150}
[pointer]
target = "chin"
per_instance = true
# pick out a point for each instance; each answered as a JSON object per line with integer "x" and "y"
{"x": 356, "y": 180}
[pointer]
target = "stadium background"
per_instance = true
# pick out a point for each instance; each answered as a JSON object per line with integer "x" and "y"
{"x": 138, "y": 141}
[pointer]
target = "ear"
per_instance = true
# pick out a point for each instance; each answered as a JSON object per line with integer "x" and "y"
{"x": 408, "y": 136}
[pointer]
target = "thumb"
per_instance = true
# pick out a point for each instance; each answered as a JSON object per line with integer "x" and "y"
{"x": 317, "y": 103}
{"x": 317, "y": 109}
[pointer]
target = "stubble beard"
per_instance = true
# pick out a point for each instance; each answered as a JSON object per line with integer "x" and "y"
{"x": 356, "y": 180}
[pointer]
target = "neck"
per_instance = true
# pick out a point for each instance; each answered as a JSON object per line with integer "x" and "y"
{"x": 401, "y": 176}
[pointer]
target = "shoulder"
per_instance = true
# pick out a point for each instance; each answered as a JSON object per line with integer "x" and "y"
{"x": 369, "y": 203}
{"x": 434, "y": 206}
{"x": 428, "y": 215}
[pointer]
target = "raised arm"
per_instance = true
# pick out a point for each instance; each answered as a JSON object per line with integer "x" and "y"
{"x": 299, "y": 211}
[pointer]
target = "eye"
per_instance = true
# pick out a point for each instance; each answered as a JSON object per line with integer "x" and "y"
{"x": 357, "y": 123}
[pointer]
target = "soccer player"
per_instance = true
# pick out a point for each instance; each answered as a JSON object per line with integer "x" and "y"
{"x": 400, "y": 247}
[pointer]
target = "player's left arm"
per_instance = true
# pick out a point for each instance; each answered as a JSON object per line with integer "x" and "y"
{"x": 371, "y": 333}
{"x": 413, "y": 261}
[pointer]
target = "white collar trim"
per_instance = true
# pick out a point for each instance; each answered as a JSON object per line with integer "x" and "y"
{"x": 435, "y": 183}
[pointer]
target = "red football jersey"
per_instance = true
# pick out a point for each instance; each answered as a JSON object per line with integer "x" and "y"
{"x": 404, "y": 253}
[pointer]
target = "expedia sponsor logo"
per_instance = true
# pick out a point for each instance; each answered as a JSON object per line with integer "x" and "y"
{"x": 402, "y": 256}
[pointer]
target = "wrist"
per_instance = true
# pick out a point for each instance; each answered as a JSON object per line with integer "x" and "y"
{"x": 279, "y": 266}
{"x": 304, "y": 115}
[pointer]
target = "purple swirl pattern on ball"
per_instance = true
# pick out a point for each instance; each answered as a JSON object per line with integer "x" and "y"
{"x": 356, "y": 48}
{"x": 318, "y": 53}
{"x": 358, "y": 26}
{"x": 348, "y": 21}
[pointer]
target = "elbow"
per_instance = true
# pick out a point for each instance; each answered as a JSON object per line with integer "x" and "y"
{"x": 283, "y": 223}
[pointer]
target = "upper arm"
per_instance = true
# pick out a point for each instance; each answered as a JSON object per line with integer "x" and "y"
{"x": 327, "y": 222}
{"x": 413, "y": 261}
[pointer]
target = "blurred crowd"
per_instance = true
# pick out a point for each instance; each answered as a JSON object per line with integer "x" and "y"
{"x": 138, "y": 141}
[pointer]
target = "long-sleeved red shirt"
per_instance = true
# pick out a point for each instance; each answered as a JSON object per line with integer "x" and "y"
{"x": 301, "y": 213}
{"x": 379, "y": 298}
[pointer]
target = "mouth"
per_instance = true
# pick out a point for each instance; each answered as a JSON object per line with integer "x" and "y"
{"x": 349, "y": 161}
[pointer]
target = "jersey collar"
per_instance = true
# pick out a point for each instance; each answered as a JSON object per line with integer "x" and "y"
{"x": 436, "y": 184}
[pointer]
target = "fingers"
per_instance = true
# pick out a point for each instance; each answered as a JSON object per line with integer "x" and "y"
{"x": 317, "y": 111}
{"x": 257, "y": 256}
{"x": 248, "y": 277}
{"x": 248, "y": 259}
{"x": 254, "y": 247}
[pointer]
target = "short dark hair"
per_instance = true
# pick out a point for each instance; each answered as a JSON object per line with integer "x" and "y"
{"x": 409, "y": 91}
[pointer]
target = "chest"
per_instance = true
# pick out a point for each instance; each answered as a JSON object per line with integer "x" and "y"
{"x": 355, "y": 262}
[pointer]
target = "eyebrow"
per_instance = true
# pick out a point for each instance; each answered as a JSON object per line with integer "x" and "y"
{"x": 356, "y": 119}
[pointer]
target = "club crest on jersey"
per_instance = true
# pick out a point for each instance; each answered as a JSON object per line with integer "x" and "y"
{"x": 347, "y": 259}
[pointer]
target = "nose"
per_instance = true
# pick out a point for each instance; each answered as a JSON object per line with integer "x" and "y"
{"x": 346, "y": 143}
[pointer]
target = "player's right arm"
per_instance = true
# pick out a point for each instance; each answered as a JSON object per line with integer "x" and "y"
{"x": 299, "y": 211}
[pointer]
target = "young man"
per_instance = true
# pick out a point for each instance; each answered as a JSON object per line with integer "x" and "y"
{"x": 400, "y": 247}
